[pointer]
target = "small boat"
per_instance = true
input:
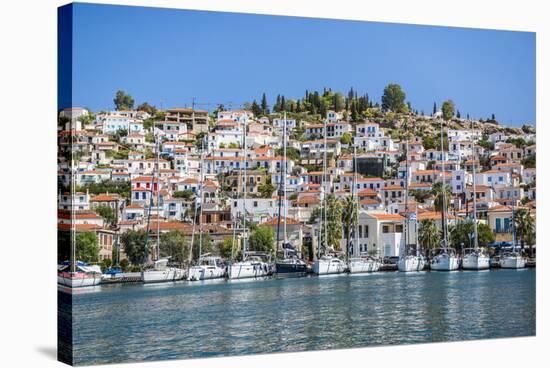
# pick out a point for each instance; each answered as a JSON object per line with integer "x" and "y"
{"x": 410, "y": 259}
{"x": 291, "y": 264}
{"x": 82, "y": 276}
{"x": 208, "y": 267}
{"x": 475, "y": 259}
{"x": 411, "y": 263}
{"x": 253, "y": 266}
{"x": 328, "y": 265}
{"x": 363, "y": 264}
{"x": 160, "y": 272}
{"x": 512, "y": 260}
{"x": 444, "y": 259}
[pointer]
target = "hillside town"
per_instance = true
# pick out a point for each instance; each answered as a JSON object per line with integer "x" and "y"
{"x": 343, "y": 180}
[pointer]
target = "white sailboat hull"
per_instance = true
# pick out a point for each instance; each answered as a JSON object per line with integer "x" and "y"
{"x": 197, "y": 273}
{"x": 512, "y": 262}
{"x": 444, "y": 262}
{"x": 363, "y": 265}
{"x": 169, "y": 274}
{"x": 411, "y": 263}
{"x": 476, "y": 262}
{"x": 78, "y": 281}
{"x": 243, "y": 270}
{"x": 328, "y": 267}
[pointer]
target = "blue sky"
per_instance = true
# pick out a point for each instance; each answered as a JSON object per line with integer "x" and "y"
{"x": 166, "y": 57}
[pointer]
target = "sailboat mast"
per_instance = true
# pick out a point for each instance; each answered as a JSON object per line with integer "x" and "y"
{"x": 245, "y": 186}
{"x": 324, "y": 181}
{"x": 72, "y": 191}
{"x": 443, "y": 191}
{"x": 73, "y": 214}
{"x": 356, "y": 196}
{"x": 284, "y": 180}
{"x": 406, "y": 190}
{"x": 474, "y": 186}
{"x": 158, "y": 196}
{"x": 201, "y": 186}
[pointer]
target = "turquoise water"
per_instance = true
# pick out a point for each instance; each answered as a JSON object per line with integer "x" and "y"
{"x": 119, "y": 323}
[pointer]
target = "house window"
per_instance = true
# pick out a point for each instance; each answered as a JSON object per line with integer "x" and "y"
{"x": 385, "y": 229}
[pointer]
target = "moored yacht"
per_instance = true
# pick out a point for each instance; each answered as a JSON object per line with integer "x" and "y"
{"x": 291, "y": 264}
{"x": 411, "y": 263}
{"x": 410, "y": 259}
{"x": 160, "y": 272}
{"x": 512, "y": 259}
{"x": 253, "y": 266}
{"x": 363, "y": 264}
{"x": 475, "y": 259}
{"x": 444, "y": 259}
{"x": 208, "y": 267}
{"x": 83, "y": 275}
{"x": 328, "y": 265}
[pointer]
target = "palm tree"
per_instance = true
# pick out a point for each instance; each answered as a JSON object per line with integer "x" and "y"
{"x": 349, "y": 218}
{"x": 334, "y": 222}
{"x": 525, "y": 227}
{"x": 440, "y": 195}
{"x": 428, "y": 234}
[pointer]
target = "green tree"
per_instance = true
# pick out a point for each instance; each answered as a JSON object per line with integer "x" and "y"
{"x": 183, "y": 194}
{"x": 420, "y": 195}
{"x": 256, "y": 110}
{"x": 202, "y": 243}
{"x": 87, "y": 247}
{"x": 124, "y": 265}
{"x": 448, "y": 109}
{"x": 107, "y": 213}
{"x": 347, "y": 138}
{"x": 485, "y": 235}
{"x": 123, "y": 101}
{"x": 349, "y": 218}
{"x": 266, "y": 189}
{"x": 525, "y": 227}
{"x": 262, "y": 239}
{"x": 228, "y": 247}
{"x": 393, "y": 98}
{"x": 264, "y": 107}
{"x": 338, "y": 102}
{"x": 133, "y": 244}
{"x": 147, "y": 108}
{"x": 174, "y": 245}
{"x": 441, "y": 196}
{"x": 428, "y": 234}
{"x": 530, "y": 162}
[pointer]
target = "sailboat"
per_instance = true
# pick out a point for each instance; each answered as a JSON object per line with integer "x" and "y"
{"x": 444, "y": 258}
{"x": 326, "y": 264}
{"x": 252, "y": 264}
{"x": 208, "y": 266}
{"x": 410, "y": 261}
{"x": 291, "y": 264}
{"x": 512, "y": 259}
{"x": 364, "y": 263}
{"x": 475, "y": 258}
{"x": 76, "y": 274}
{"x": 159, "y": 272}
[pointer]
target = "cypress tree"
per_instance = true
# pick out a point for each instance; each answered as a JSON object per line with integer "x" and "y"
{"x": 265, "y": 110}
